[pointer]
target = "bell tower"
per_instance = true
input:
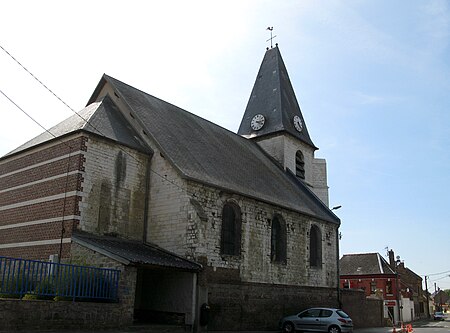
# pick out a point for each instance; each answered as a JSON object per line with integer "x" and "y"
{"x": 274, "y": 120}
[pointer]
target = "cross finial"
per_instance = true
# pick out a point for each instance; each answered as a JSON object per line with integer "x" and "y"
{"x": 271, "y": 37}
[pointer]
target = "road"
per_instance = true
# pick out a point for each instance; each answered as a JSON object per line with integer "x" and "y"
{"x": 418, "y": 327}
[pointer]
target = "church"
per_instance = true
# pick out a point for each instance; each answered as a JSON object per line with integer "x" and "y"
{"x": 209, "y": 228}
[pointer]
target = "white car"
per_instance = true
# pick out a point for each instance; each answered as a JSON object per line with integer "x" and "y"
{"x": 318, "y": 320}
{"x": 439, "y": 316}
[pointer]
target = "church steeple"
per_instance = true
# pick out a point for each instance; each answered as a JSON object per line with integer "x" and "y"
{"x": 273, "y": 107}
{"x": 273, "y": 119}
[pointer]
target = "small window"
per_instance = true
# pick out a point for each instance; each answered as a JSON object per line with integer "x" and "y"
{"x": 315, "y": 247}
{"x": 231, "y": 229}
{"x": 299, "y": 165}
{"x": 388, "y": 287}
{"x": 373, "y": 287}
{"x": 278, "y": 240}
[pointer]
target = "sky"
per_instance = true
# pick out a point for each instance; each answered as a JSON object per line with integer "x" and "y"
{"x": 372, "y": 79}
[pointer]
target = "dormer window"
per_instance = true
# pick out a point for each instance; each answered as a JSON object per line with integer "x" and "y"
{"x": 299, "y": 165}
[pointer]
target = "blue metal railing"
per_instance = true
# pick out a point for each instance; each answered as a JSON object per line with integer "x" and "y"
{"x": 20, "y": 277}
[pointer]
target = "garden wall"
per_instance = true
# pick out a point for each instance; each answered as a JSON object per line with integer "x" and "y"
{"x": 18, "y": 314}
{"x": 364, "y": 312}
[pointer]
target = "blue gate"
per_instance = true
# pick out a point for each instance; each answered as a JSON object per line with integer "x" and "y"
{"x": 41, "y": 279}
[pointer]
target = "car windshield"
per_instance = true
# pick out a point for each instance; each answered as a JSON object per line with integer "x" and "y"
{"x": 342, "y": 314}
{"x": 440, "y": 313}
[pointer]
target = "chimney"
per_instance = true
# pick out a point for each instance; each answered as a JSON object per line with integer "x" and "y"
{"x": 391, "y": 259}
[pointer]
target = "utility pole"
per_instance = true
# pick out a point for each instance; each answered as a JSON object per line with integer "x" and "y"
{"x": 428, "y": 299}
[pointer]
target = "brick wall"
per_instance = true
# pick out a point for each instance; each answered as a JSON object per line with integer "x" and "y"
{"x": 39, "y": 198}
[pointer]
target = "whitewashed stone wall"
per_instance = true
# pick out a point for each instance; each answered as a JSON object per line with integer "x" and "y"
{"x": 284, "y": 148}
{"x": 113, "y": 195}
{"x": 185, "y": 218}
{"x": 254, "y": 262}
{"x": 320, "y": 180}
{"x": 167, "y": 220}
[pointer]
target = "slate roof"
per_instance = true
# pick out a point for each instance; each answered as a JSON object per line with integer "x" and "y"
{"x": 364, "y": 264}
{"x": 198, "y": 149}
{"x": 131, "y": 252}
{"x": 101, "y": 118}
{"x": 212, "y": 155}
{"x": 273, "y": 96}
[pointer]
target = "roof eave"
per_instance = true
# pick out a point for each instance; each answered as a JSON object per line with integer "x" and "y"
{"x": 226, "y": 189}
{"x": 100, "y": 250}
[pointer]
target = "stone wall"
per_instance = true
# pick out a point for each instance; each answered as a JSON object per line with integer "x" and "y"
{"x": 251, "y": 306}
{"x": 254, "y": 263}
{"x": 114, "y": 189}
{"x": 284, "y": 148}
{"x": 81, "y": 255}
{"x": 167, "y": 221}
{"x": 364, "y": 312}
{"x": 37, "y": 314}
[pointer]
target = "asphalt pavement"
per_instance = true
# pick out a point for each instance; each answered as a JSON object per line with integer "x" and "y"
{"x": 419, "y": 326}
{"x": 178, "y": 329}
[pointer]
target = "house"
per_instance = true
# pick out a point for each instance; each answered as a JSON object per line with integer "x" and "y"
{"x": 441, "y": 300}
{"x": 373, "y": 274}
{"x": 194, "y": 216}
{"x": 411, "y": 285}
{"x": 398, "y": 286}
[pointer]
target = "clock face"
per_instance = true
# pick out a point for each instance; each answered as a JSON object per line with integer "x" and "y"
{"x": 298, "y": 123}
{"x": 257, "y": 122}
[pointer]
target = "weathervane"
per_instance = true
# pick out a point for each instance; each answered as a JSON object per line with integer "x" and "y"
{"x": 271, "y": 37}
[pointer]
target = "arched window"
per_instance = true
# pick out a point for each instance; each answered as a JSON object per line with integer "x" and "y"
{"x": 278, "y": 240}
{"x": 299, "y": 165}
{"x": 315, "y": 247}
{"x": 231, "y": 229}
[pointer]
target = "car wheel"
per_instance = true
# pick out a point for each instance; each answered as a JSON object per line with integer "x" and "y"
{"x": 334, "y": 329}
{"x": 288, "y": 327}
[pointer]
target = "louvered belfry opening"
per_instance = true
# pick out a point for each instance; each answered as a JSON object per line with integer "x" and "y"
{"x": 299, "y": 165}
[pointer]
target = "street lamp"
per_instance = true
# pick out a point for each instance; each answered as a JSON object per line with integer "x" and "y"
{"x": 338, "y": 237}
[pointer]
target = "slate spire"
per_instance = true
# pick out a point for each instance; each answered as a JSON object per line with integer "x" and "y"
{"x": 273, "y": 97}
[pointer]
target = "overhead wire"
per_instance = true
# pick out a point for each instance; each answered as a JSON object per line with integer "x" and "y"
{"x": 67, "y": 171}
{"x": 85, "y": 120}
{"x": 27, "y": 114}
{"x": 446, "y": 272}
{"x": 20, "y": 64}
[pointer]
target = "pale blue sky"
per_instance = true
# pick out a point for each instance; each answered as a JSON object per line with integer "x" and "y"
{"x": 372, "y": 79}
